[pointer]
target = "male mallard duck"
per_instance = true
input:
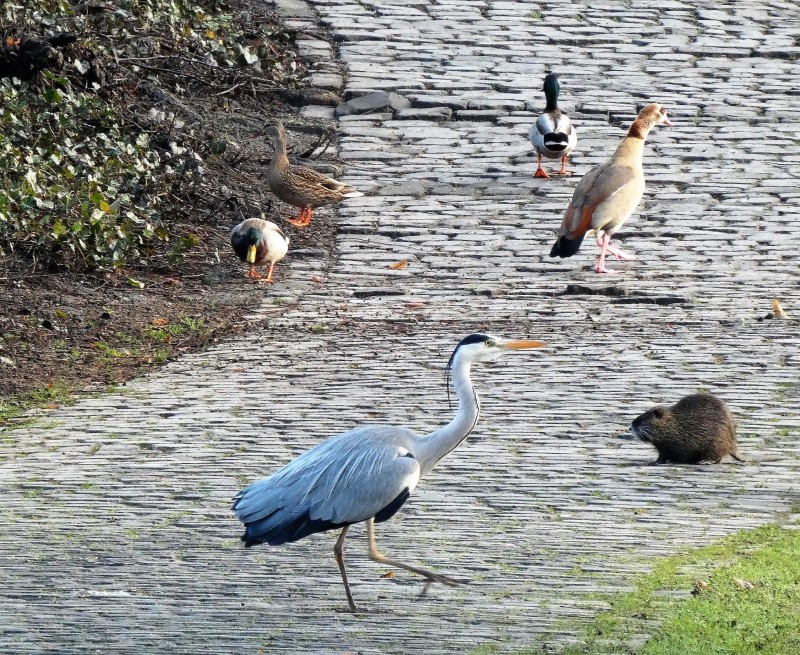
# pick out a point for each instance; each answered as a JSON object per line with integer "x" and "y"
{"x": 300, "y": 186}
{"x": 552, "y": 135}
{"x": 257, "y": 242}
{"x": 609, "y": 193}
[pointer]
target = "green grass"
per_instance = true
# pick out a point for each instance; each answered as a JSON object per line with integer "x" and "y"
{"x": 751, "y": 604}
{"x": 48, "y": 395}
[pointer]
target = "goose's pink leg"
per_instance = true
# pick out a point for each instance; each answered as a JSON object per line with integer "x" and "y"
{"x": 620, "y": 254}
{"x": 601, "y": 263}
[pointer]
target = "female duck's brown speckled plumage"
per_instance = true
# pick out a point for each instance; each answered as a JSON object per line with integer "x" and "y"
{"x": 300, "y": 186}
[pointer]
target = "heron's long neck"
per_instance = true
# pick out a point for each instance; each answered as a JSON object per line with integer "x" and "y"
{"x": 436, "y": 445}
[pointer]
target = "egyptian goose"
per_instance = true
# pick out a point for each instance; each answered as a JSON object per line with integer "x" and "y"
{"x": 300, "y": 186}
{"x": 609, "y": 193}
{"x": 552, "y": 135}
{"x": 257, "y": 242}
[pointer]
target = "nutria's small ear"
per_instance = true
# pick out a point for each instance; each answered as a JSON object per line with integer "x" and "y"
{"x": 658, "y": 412}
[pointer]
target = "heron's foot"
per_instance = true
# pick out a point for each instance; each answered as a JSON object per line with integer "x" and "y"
{"x": 444, "y": 579}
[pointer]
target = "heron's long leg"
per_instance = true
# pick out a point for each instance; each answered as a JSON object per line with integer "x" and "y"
{"x": 376, "y": 556}
{"x": 338, "y": 553}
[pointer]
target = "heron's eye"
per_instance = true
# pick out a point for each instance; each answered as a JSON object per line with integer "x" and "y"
{"x": 491, "y": 343}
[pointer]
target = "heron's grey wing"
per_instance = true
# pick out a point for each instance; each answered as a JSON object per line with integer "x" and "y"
{"x": 351, "y": 477}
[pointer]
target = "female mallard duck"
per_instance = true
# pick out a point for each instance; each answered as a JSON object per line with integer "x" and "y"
{"x": 609, "y": 193}
{"x": 257, "y": 242}
{"x": 300, "y": 186}
{"x": 552, "y": 135}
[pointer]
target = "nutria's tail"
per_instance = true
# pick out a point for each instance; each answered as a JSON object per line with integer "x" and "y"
{"x": 566, "y": 247}
{"x": 737, "y": 458}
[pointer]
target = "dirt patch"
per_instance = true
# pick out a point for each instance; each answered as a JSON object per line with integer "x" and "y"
{"x": 64, "y": 330}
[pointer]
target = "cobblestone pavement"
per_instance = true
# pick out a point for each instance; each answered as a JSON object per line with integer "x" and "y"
{"x": 117, "y": 535}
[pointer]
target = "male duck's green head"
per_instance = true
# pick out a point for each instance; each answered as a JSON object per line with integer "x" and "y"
{"x": 551, "y": 91}
{"x": 252, "y": 238}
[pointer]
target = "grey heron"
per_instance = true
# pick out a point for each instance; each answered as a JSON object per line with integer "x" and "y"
{"x": 364, "y": 474}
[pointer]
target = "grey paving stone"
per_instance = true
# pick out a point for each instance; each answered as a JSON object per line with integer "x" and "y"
{"x": 125, "y": 496}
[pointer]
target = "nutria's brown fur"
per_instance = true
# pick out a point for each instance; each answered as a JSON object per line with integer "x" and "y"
{"x": 698, "y": 428}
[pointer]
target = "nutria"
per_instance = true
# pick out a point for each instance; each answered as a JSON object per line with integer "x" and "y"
{"x": 698, "y": 428}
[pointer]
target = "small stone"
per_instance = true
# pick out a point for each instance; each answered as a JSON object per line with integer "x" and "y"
{"x": 430, "y": 113}
{"x": 373, "y": 102}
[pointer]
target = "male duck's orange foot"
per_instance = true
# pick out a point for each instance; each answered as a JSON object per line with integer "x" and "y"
{"x": 252, "y": 273}
{"x": 540, "y": 173}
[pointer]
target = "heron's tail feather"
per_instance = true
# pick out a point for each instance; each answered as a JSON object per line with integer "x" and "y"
{"x": 291, "y": 528}
{"x": 266, "y": 514}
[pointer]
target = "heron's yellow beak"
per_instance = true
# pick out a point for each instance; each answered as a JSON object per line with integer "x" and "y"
{"x": 522, "y": 344}
{"x": 251, "y": 255}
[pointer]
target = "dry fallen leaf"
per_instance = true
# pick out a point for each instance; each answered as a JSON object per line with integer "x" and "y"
{"x": 698, "y": 587}
{"x": 744, "y": 584}
{"x": 160, "y": 321}
{"x": 316, "y": 278}
{"x": 414, "y": 305}
{"x": 777, "y": 310}
{"x": 401, "y": 264}
{"x": 389, "y": 574}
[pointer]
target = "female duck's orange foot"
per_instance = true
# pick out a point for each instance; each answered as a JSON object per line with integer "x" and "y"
{"x": 302, "y": 220}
